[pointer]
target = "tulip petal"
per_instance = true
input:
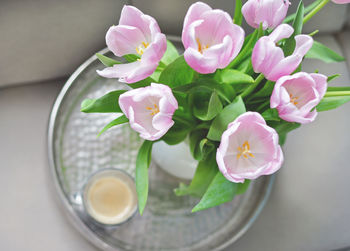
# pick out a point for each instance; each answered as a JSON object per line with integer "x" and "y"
{"x": 119, "y": 70}
{"x": 321, "y": 83}
{"x": 248, "y": 149}
{"x": 193, "y": 14}
{"x": 197, "y": 61}
{"x": 132, "y": 16}
{"x": 281, "y": 31}
{"x": 122, "y": 39}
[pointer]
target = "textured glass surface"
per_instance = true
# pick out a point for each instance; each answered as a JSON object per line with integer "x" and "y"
{"x": 167, "y": 222}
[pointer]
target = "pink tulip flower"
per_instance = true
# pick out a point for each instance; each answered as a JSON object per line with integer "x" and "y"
{"x": 137, "y": 34}
{"x": 268, "y": 12}
{"x": 248, "y": 149}
{"x": 210, "y": 38}
{"x": 149, "y": 110}
{"x": 296, "y": 96}
{"x": 268, "y": 58}
{"x": 341, "y": 1}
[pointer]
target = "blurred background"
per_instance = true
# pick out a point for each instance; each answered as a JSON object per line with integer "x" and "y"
{"x": 42, "y": 42}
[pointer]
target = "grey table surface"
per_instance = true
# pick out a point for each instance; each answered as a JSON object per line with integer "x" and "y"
{"x": 309, "y": 208}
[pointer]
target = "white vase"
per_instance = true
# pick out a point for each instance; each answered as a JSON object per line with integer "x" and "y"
{"x": 175, "y": 160}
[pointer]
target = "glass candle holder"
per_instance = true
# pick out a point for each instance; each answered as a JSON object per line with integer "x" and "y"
{"x": 109, "y": 196}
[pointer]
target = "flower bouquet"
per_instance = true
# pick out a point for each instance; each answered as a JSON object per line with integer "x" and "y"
{"x": 233, "y": 96}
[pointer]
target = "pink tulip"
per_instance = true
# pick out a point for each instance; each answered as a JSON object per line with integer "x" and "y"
{"x": 268, "y": 58}
{"x": 268, "y": 12}
{"x": 210, "y": 38}
{"x": 248, "y": 149}
{"x": 341, "y": 1}
{"x": 296, "y": 96}
{"x": 149, "y": 110}
{"x": 137, "y": 34}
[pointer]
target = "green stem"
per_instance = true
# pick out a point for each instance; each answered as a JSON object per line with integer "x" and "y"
{"x": 308, "y": 8}
{"x": 243, "y": 54}
{"x": 315, "y": 10}
{"x": 183, "y": 120}
{"x": 251, "y": 88}
{"x": 337, "y": 93}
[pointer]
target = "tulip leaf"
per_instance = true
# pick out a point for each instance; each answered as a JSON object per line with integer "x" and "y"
{"x": 226, "y": 92}
{"x": 141, "y": 173}
{"x": 238, "y": 13}
{"x": 249, "y": 43}
{"x": 205, "y": 172}
{"x": 234, "y": 77}
{"x": 219, "y": 191}
{"x": 195, "y": 139}
{"x": 142, "y": 83}
{"x": 177, "y": 73}
{"x": 271, "y": 114}
{"x": 283, "y": 128}
{"x": 322, "y": 52}
{"x": 242, "y": 187}
{"x": 178, "y": 132}
{"x": 109, "y": 62}
{"x": 170, "y": 54}
{"x": 226, "y": 116}
{"x": 330, "y": 78}
{"x": 131, "y": 57}
{"x": 338, "y": 88}
{"x": 120, "y": 120}
{"x": 266, "y": 90}
{"x": 308, "y": 8}
{"x": 329, "y": 103}
{"x": 105, "y": 104}
{"x": 289, "y": 45}
{"x": 205, "y": 110}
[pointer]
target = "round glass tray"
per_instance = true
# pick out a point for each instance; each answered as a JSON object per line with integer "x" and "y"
{"x": 75, "y": 152}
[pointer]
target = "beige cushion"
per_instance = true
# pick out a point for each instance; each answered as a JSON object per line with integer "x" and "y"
{"x": 43, "y": 39}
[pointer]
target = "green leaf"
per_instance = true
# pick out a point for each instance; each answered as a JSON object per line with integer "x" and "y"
{"x": 238, "y": 13}
{"x": 205, "y": 172}
{"x": 271, "y": 114}
{"x": 206, "y": 147}
{"x": 205, "y": 110}
{"x": 234, "y": 77}
{"x": 308, "y": 8}
{"x": 329, "y": 103}
{"x": 338, "y": 88}
{"x": 120, "y": 120}
{"x": 266, "y": 90}
{"x": 178, "y": 132}
{"x": 141, "y": 173}
{"x": 226, "y": 92}
{"x": 170, "y": 54}
{"x": 248, "y": 45}
{"x": 131, "y": 57}
{"x": 283, "y": 128}
{"x": 330, "y": 78}
{"x": 226, "y": 116}
{"x": 177, "y": 73}
{"x": 142, "y": 83}
{"x": 105, "y": 104}
{"x": 195, "y": 139}
{"x": 219, "y": 191}
{"x": 289, "y": 45}
{"x": 242, "y": 187}
{"x": 322, "y": 52}
{"x": 106, "y": 60}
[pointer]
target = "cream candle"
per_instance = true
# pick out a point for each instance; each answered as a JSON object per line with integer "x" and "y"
{"x": 110, "y": 197}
